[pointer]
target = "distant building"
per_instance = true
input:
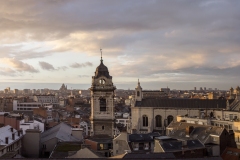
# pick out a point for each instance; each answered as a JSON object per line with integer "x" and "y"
{"x": 15, "y": 91}
{"x": 33, "y": 91}
{"x": 27, "y": 106}
{"x": 51, "y": 99}
{"x": 63, "y": 88}
{"x": 166, "y": 90}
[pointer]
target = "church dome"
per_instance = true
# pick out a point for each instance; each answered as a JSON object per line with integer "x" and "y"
{"x": 102, "y": 70}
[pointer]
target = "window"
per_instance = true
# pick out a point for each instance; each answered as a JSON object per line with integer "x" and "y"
{"x": 138, "y": 93}
{"x": 169, "y": 119}
{"x": 102, "y": 127}
{"x": 145, "y": 121}
{"x": 103, "y": 106}
{"x": 158, "y": 120}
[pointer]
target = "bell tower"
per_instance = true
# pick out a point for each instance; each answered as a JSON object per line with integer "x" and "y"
{"x": 102, "y": 102}
{"x": 138, "y": 92}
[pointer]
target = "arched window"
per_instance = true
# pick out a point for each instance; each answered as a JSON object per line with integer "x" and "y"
{"x": 103, "y": 106}
{"x": 138, "y": 93}
{"x": 158, "y": 120}
{"x": 145, "y": 121}
{"x": 170, "y": 119}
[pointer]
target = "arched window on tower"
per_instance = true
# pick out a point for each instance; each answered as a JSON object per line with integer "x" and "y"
{"x": 145, "y": 121}
{"x": 103, "y": 106}
{"x": 169, "y": 119}
{"x": 138, "y": 93}
{"x": 158, "y": 121}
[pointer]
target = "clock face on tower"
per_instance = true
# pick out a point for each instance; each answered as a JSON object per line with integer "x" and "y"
{"x": 102, "y": 81}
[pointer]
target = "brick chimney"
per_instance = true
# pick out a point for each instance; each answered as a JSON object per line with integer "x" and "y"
{"x": 6, "y": 140}
{"x": 189, "y": 130}
{"x": 13, "y": 136}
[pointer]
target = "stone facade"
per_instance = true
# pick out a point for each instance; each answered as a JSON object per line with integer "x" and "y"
{"x": 155, "y": 114}
{"x": 102, "y": 102}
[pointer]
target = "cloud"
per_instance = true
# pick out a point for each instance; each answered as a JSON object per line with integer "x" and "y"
{"x": 81, "y": 65}
{"x": 139, "y": 39}
{"x": 49, "y": 67}
{"x": 62, "y": 68}
{"x": 19, "y": 65}
{"x": 46, "y": 66}
{"x": 7, "y": 72}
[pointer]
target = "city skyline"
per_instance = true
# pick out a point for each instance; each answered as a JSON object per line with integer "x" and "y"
{"x": 179, "y": 44}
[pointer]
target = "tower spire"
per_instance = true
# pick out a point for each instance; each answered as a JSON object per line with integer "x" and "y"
{"x": 101, "y": 54}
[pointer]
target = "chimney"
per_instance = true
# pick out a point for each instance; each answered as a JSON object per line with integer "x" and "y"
{"x": 11, "y": 129}
{"x": 6, "y": 140}
{"x": 189, "y": 130}
{"x": 18, "y": 133}
{"x": 13, "y": 136}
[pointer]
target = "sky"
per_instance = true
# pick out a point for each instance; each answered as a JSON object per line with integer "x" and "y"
{"x": 180, "y": 44}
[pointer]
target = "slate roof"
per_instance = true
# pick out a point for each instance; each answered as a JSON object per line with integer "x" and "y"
{"x": 200, "y": 132}
{"x": 63, "y": 149}
{"x": 175, "y": 145}
{"x": 62, "y": 131}
{"x": 183, "y": 103}
{"x": 143, "y": 137}
{"x": 6, "y": 132}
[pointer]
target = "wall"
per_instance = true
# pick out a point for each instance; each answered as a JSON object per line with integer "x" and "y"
{"x": 120, "y": 144}
{"x": 31, "y": 144}
{"x": 138, "y": 112}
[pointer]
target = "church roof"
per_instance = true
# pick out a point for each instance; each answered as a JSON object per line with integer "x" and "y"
{"x": 102, "y": 70}
{"x": 183, "y": 103}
